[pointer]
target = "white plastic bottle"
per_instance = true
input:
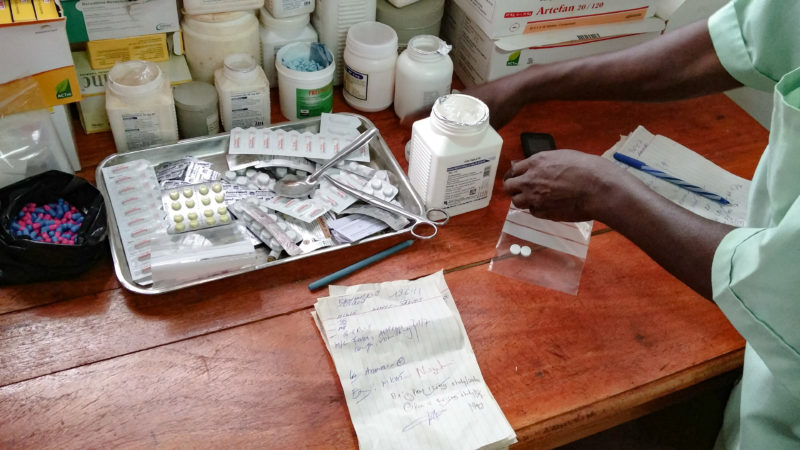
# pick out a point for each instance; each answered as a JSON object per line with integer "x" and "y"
{"x": 243, "y": 92}
{"x": 332, "y": 19}
{"x": 424, "y": 73}
{"x": 140, "y": 106}
{"x": 288, "y": 8}
{"x": 275, "y": 33}
{"x": 454, "y": 155}
{"x": 370, "y": 57}
{"x": 209, "y": 38}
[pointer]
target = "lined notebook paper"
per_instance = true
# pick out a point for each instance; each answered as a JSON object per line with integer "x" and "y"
{"x": 673, "y": 158}
{"x": 407, "y": 368}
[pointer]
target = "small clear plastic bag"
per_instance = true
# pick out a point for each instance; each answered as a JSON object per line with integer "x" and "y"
{"x": 542, "y": 252}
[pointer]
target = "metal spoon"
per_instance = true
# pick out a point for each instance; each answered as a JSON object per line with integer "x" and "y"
{"x": 292, "y": 186}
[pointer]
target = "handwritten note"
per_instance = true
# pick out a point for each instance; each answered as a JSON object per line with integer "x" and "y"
{"x": 407, "y": 368}
{"x": 669, "y": 156}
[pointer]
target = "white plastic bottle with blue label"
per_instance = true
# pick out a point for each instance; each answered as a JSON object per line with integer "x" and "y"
{"x": 453, "y": 155}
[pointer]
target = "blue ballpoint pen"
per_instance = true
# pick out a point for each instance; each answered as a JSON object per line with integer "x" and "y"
{"x": 635, "y": 163}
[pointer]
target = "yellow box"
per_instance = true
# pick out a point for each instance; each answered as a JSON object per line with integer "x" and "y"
{"x": 5, "y": 12}
{"x": 103, "y": 54}
{"x": 22, "y": 11}
{"x": 45, "y": 9}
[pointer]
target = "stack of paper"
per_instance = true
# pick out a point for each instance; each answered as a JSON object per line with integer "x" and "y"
{"x": 668, "y": 156}
{"x": 408, "y": 371}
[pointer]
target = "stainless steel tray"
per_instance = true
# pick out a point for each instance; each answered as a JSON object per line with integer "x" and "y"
{"x": 214, "y": 149}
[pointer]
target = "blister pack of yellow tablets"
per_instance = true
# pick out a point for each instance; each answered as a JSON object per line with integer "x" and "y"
{"x": 195, "y": 207}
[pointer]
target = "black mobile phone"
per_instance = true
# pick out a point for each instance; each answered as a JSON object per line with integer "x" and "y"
{"x": 533, "y": 143}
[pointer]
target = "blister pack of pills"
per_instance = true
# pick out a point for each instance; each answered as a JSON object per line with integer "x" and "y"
{"x": 270, "y": 228}
{"x": 194, "y": 207}
{"x": 135, "y": 198}
{"x": 271, "y": 142}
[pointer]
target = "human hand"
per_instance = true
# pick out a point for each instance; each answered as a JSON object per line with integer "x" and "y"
{"x": 562, "y": 185}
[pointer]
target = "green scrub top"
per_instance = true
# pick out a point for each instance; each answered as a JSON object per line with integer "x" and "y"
{"x": 756, "y": 269}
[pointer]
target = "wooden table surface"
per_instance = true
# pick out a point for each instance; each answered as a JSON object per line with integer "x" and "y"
{"x": 238, "y": 363}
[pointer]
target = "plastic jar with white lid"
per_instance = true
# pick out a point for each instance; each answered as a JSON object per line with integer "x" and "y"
{"x": 288, "y": 8}
{"x": 243, "y": 92}
{"x": 453, "y": 155}
{"x": 275, "y": 33}
{"x": 197, "y": 109}
{"x": 209, "y": 38}
{"x": 424, "y": 73}
{"x": 305, "y": 91}
{"x": 140, "y": 107}
{"x": 214, "y": 6}
{"x": 370, "y": 56}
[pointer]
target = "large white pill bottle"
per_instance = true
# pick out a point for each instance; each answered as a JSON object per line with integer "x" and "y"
{"x": 140, "y": 106}
{"x": 209, "y": 38}
{"x": 370, "y": 57}
{"x": 332, "y": 19}
{"x": 424, "y": 73}
{"x": 275, "y": 33}
{"x": 453, "y": 155}
{"x": 243, "y": 92}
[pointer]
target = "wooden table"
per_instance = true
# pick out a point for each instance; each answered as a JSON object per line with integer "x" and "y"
{"x": 238, "y": 363}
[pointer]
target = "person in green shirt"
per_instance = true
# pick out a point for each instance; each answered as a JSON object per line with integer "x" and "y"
{"x": 751, "y": 273}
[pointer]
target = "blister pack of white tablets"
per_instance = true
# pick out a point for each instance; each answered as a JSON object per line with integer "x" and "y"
{"x": 268, "y": 227}
{"x": 265, "y": 141}
{"x": 195, "y": 207}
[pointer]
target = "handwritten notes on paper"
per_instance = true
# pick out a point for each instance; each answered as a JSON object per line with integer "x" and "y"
{"x": 669, "y": 156}
{"x": 407, "y": 368}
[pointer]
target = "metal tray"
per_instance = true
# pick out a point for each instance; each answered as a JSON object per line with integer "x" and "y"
{"x": 214, "y": 149}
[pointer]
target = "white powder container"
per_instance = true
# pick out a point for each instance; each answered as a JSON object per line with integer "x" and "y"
{"x": 370, "y": 55}
{"x": 243, "y": 92}
{"x": 209, "y": 38}
{"x": 424, "y": 73}
{"x": 140, "y": 107}
{"x": 332, "y": 19}
{"x": 275, "y": 33}
{"x": 453, "y": 155}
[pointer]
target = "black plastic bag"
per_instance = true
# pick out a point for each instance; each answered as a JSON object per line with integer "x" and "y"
{"x": 23, "y": 260}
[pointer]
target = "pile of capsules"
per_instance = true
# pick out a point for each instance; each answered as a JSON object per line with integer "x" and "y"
{"x": 54, "y": 223}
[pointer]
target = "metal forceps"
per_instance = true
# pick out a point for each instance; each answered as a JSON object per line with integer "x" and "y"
{"x": 418, "y": 220}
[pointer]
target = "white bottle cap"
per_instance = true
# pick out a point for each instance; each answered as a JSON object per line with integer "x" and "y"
{"x": 240, "y": 67}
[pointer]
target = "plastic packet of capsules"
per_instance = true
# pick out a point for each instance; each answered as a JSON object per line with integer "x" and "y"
{"x": 195, "y": 207}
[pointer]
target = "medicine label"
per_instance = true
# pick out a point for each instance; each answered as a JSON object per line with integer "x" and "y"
{"x": 355, "y": 83}
{"x": 314, "y": 102}
{"x": 468, "y": 182}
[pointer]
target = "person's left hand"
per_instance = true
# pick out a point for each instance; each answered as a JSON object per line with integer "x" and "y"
{"x": 562, "y": 185}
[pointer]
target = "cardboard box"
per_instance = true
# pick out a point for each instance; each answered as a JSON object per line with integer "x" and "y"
{"x": 37, "y": 71}
{"x": 477, "y": 58}
{"x": 91, "y": 20}
{"x": 22, "y": 11}
{"x": 92, "y": 83}
{"x": 500, "y": 18}
{"x": 103, "y": 54}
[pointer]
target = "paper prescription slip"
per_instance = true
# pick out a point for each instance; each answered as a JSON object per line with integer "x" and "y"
{"x": 36, "y": 70}
{"x": 671, "y": 157}
{"x": 409, "y": 375}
